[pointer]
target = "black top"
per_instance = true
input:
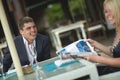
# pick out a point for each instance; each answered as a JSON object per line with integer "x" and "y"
{"x": 108, "y": 69}
{"x": 116, "y": 50}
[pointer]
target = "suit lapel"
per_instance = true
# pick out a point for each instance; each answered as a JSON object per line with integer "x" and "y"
{"x": 22, "y": 51}
{"x": 38, "y": 45}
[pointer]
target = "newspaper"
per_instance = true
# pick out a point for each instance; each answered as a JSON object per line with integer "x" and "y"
{"x": 77, "y": 47}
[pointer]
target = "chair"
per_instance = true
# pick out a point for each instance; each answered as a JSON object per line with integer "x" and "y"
{"x": 2, "y": 46}
{"x": 66, "y": 31}
{"x": 59, "y": 24}
{"x": 95, "y": 30}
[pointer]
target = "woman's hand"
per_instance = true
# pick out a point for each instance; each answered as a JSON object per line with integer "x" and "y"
{"x": 92, "y": 42}
{"x": 99, "y": 46}
{"x": 95, "y": 44}
{"x": 89, "y": 56}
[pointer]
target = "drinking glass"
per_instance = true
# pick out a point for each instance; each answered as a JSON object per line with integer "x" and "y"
{"x": 35, "y": 57}
{"x": 1, "y": 66}
{"x": 40, "y": 75}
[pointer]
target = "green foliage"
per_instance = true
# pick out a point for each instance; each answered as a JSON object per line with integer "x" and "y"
{"x": 54, "y": 12}
{"x": 77, "y": 7}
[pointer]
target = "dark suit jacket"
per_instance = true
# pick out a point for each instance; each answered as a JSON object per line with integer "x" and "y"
{"x": 42, "y": 47}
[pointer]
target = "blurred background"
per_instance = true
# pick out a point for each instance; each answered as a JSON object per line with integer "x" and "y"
{"x": 52, "y": 14}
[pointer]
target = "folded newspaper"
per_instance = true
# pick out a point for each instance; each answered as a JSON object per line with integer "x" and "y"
{"x": 75, "y": 48}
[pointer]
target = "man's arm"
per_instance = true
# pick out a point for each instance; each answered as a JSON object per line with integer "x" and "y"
{"x": 47, "y": 49}
{"x": 7, "y": 60}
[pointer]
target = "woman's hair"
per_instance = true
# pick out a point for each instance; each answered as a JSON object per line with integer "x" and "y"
{"x": 24, "y": 20}
{"x": 115, "y": 9}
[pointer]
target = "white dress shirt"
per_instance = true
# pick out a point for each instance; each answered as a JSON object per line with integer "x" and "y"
{"x": 30, "y": 48}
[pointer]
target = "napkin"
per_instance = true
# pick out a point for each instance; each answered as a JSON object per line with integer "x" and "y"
{"x": 60, "y": 62}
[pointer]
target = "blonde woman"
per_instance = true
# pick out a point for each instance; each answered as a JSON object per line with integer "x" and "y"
{"x": 112, "y": 14}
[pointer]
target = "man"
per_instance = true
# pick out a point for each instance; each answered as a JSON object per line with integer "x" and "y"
{"x": 28, "y": 44}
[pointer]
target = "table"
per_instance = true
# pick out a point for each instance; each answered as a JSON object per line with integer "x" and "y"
{"x": 55, "y": 33}
{"x": 70, "y": 72}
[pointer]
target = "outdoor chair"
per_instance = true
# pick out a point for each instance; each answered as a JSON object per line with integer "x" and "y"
{"x": 95, "y": 30}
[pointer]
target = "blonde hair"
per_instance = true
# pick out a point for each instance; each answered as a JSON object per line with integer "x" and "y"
{"x": 115, "y": 8}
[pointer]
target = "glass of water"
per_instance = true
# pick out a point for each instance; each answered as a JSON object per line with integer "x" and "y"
{"x": 1, "y": 66}
{"x": 40, "y": 75}
{"x": 34, "y": 54}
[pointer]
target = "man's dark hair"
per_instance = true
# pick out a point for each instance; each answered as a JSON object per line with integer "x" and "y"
{"x": 24, "y": 20}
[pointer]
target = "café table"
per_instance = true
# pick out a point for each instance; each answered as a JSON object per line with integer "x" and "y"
{"x": 71, "y": 71}
{"x": 55, "y": 33}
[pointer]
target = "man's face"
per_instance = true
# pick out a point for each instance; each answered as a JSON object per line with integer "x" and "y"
{"x": 29, "y": 31}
